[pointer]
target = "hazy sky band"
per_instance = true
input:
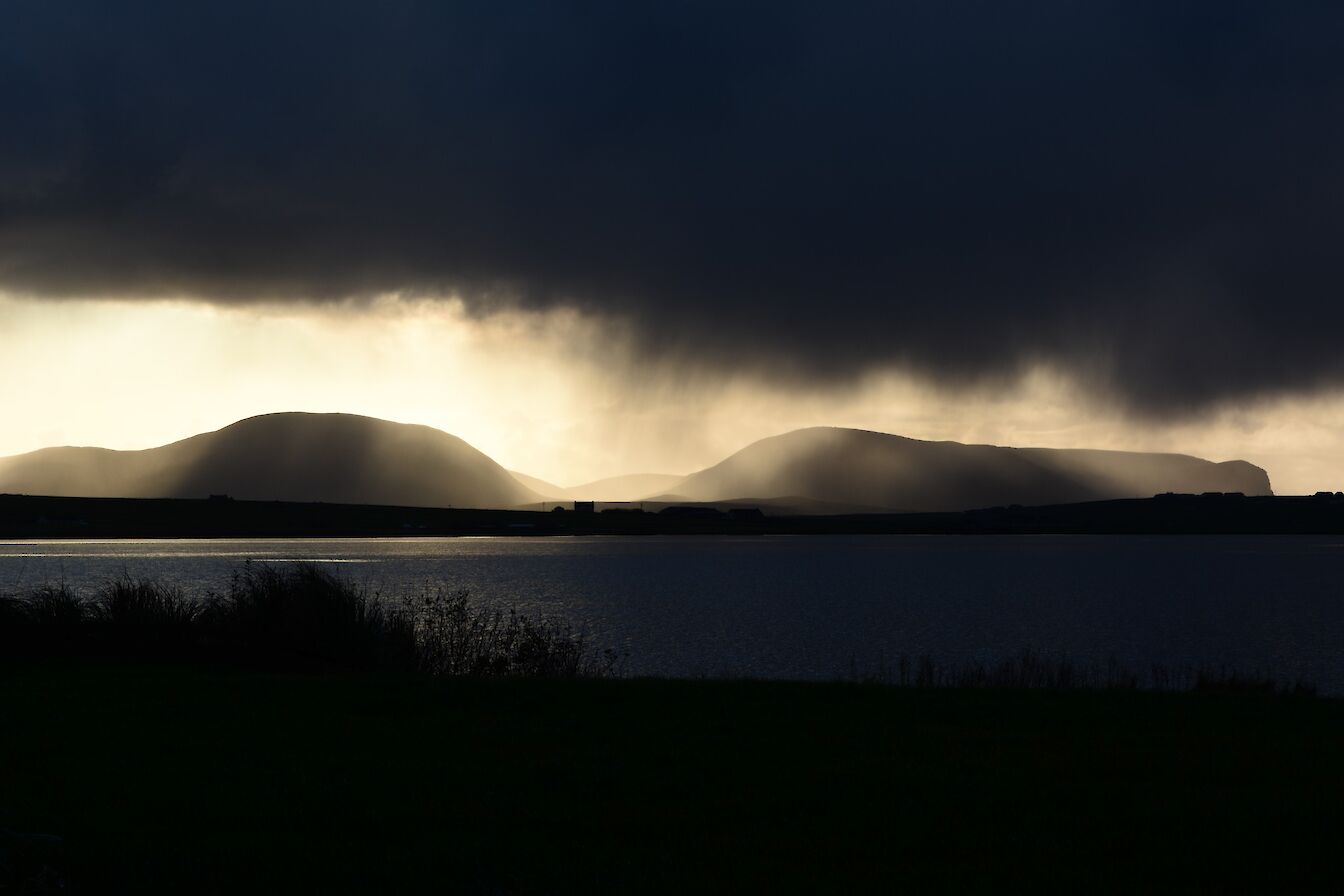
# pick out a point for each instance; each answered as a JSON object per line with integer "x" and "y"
{"x": 1145, "y": 195}
{"x": 554, "y": 395}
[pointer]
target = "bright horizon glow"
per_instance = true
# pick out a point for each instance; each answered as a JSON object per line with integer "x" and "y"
{"x": 518, "y": 387}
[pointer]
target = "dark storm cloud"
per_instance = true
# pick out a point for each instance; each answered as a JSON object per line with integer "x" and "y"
{"x": 1149, "y": 194}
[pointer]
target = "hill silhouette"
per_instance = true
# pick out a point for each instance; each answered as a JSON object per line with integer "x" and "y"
{"x": 858, "y": 467}
{"x": 338, "y": 458}
{"x": 344, "y": 458}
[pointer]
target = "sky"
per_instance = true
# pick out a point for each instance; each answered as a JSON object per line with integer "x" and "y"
{"x": 598, "y": 238}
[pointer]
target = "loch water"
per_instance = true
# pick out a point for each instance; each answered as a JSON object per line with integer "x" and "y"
{"x": 826, "y": 607}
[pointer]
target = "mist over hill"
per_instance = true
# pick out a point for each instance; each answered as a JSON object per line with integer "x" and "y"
{"x": 548, "y": 490}
{"x": 338, "y": 458}
{"x": 857, "y": 467}
{"x": 343, "y": 458}
{"x": 630, "y": 487}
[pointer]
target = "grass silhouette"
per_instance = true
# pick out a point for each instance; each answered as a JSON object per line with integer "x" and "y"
{"x": 1033, "y": 670}
{"x": 299, "y": 616}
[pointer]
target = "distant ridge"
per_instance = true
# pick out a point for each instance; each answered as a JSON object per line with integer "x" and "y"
{"x": 337, "y": 458}
{"x": 548, "y": 490}
{"x": 631, "y": 487}
{"x": 858, "y": 467}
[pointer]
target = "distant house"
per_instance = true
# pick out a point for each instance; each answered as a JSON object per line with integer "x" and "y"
{"x": 585, "y": 507}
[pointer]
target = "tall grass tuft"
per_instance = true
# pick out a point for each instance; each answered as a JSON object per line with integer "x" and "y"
{"x": 143, "y": 604}
{"x": 1037, "y": 671}
{"x": 458, "y": 638}
{"x": 50, "y": 605}
{"x": 1226, "y": 680}
{"x": 304, "y": 612}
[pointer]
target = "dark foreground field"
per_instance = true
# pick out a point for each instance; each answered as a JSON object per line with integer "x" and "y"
{"x": 187, "y": 779}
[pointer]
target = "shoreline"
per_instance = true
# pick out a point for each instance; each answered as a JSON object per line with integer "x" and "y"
{"x": 62, "y": 518}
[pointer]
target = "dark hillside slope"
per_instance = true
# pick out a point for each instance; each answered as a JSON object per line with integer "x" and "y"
{"x": 896, "y": 473}
{"x": 337, "y": 458}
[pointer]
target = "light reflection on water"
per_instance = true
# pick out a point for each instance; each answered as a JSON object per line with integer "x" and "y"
{"x": 816, "y": 607}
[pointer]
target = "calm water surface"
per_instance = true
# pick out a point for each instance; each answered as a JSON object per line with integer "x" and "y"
{"x": 818, "y": 607}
